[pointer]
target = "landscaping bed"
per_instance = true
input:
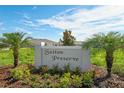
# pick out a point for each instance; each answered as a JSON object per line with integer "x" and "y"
{"x": 54, "y": 78}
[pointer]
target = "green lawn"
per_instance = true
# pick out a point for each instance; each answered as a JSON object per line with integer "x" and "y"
{"x": 26, "y": 56}
{"x": 97, "y": 58}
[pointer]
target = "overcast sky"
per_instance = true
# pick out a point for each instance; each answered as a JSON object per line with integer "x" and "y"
{"x": 50, "y": 21}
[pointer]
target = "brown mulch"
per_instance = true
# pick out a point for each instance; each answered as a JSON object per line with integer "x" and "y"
{"x": 99, "y": 73}
{"x": 101, "y": 81}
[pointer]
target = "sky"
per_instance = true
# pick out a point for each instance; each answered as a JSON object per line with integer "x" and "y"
{"x": 50, "y": 21}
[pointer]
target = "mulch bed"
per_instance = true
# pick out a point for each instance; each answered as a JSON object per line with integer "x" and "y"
{"x": 101, "y": 81}
{"x": 114, "y": 82}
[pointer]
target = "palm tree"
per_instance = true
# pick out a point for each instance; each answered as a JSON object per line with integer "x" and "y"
{"x": 15, "y": 41}
{"x": 108, "y": 42}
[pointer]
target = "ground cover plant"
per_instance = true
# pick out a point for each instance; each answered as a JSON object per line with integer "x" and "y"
{"x": 47, "y": 79}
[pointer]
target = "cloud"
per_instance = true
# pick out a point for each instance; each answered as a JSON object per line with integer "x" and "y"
{"x": 26, "y": 16}
{"x": 86, "y": 22}
{"x": 23, "y": 14}
{"x": 18, "y": 29}
{"x": 34, "y": 7}
{"x": 29, "y": 23}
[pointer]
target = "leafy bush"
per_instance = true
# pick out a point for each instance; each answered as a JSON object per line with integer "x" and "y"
{"x": 34, "y": 70}
{"x": 87, "y": 79}
{"x": 35, "y": 84}
{"x": 76, "y": 81}
{"x": 43, "y": 69}
{"x": 65, "y": 80}
{"x": 21, "y": 72}
{"x": 46, "y": 75}
{"x": 55, "y": 70}
{"x": 25, "y": 81}
{"x": 77, "y": 71}
{"x": 67, "y": 68}
{"x": 34, "y": 78}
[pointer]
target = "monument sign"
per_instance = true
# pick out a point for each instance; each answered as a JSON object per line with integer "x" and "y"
{"x": 51, "y": 56}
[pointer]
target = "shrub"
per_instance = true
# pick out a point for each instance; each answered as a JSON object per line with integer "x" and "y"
{"x": 34, "y": 78}
{"x": 46, "y": 75}
{"x": 25, "y": 81}
{"x": 77, "y": 71}
{"x": 17, "y": 74}
{"x": 34, "y": 70}
{"x": 43, "y": 69}
{"x": 87, "y": 79}
{"x": 48, "y": 82}
{"x": 76, "y": 81}
{"x": 55, "y": 70}
{"x": 67, "y": 68}
{"x": 21, "y": 72}
{"x": 65, "y": 80}
{"x": 54, "y": 85}
{"x": 36, "y": 85}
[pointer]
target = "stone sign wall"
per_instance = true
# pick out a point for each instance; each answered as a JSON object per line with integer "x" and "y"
{"x": 51, "y": 56}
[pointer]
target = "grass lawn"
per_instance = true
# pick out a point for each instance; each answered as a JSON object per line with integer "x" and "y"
{"x": 26, "y": 56}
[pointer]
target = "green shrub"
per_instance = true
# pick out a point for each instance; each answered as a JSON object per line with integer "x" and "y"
{"x": 77, "y": 71}
{"x": 54, "y": 85}
{"x": 67, "y": 68}
{"x": 25, "y": 81}
{"x": 34, "y": 78}
{"x": 65, "y": 80}
{"x": 17, "y": 73}
{"x": 48, "y": 82}
{"x": 76, "y": 81}
{"x": 21, "y": 72}
{"x": 34, "y": 70}
{"x": 55, "y": 70}
{"x": 46, "y": 75}
{"x": 87, "y": 79}
{"x": 36, "y": 85}
{"x": 56, "y": 77}
{"x": 43, "y": 69}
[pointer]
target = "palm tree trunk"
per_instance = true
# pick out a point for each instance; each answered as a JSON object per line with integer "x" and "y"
{"x": 109, "y": 62}
{"x": 16, "y": 57}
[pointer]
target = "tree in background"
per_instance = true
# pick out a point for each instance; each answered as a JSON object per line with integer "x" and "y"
{"x": 109, "y": 42}
{"x": 15, "y": 41}
{"x": 68, "y": 39}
